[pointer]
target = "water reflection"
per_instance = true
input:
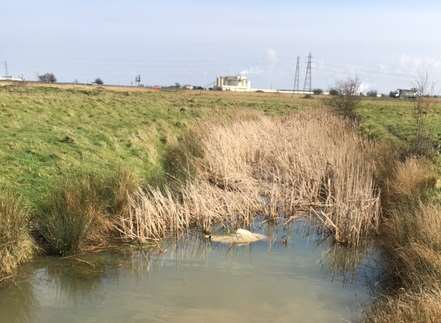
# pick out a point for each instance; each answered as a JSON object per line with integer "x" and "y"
{"x": 294, "y": 275}
{"x": 17, "y": 302}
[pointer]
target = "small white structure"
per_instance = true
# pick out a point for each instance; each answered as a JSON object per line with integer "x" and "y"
{"x": 237, "y": 83}
{"x": 11, "y": 78}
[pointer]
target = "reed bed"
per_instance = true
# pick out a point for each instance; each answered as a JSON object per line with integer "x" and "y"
{"x": 310, "y": 162}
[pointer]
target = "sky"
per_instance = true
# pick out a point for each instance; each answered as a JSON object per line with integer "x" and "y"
{"x": 386, "y": 44}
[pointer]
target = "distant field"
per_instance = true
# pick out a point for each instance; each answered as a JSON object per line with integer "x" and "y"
{"x": 48, "y": 132}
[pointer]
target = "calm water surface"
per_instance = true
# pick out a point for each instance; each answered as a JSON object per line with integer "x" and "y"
{"x": 301, "y": 279}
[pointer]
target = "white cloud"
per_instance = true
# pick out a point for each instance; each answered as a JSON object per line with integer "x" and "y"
{"x": 253, "y": 70}
{"x": 271, "y": 57}
{"x": 365, "y": 87}
{"x": 414, "y": 64}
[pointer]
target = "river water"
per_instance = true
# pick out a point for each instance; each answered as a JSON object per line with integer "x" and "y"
{"x": 293, "y": 277}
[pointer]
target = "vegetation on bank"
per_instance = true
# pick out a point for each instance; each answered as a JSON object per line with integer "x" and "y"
{"x": 65, "y": 151}
{"x": 410, "y": 238}
{"x": 63, "y": 148}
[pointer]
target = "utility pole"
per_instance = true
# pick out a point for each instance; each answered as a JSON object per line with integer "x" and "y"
{"x": 138, "y": 80}
{"x": 308, "y": 76}
{"x": 5, "y": 65}
{"x": 297, "y": 76}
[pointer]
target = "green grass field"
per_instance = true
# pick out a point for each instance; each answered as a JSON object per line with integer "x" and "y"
{"x": 50, "y": 132}
{"x": 393, "y": 119}
{"x": 47, "y": 133}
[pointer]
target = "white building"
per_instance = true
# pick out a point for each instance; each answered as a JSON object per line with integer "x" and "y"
{"x": 233, "y": 83}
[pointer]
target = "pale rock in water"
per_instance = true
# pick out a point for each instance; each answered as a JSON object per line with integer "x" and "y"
{"x": 241, "y": 236}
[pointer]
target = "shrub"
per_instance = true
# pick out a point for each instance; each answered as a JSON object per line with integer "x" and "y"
{"x": 333, "y": 92}
{"x": 317, "y": 91}
{"x": 16, "y": 244}
{"x": 98, "y": 81}
{"x": 347, "y": 99}
{"x": 372, "y": 93}
{"x": 47, "y": 78}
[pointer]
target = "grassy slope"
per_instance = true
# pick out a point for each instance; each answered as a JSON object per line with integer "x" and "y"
{"x": 48, "y": 132}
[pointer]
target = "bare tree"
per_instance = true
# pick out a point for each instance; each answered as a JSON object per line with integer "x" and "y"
{"x": 348, "y": 97}
{"x": 423, "y": 142}
{"x": 372, "y": 93}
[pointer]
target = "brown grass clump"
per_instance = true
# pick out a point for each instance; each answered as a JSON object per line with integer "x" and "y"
{"x": 413, "y": 243}
{"x": 411, "y": 239}
{"x": 269, "y": 166}
{"x": 415, "y": 307}
{"x": 16, "y": 244}
{"x": 411, "y": 233}
{"x": 408, "y": 184}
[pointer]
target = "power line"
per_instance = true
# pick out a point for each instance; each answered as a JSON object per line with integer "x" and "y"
{"x": 308, "y": 76}
{"x": 354, "y": 69}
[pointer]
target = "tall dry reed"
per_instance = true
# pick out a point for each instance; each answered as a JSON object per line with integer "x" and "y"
{"x": 306, "y": 163}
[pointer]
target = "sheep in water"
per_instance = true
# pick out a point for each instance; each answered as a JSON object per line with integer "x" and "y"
{"x": 241, "y": 236}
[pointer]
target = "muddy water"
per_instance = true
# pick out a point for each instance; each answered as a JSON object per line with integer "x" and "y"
{"x": 289, "y": 278}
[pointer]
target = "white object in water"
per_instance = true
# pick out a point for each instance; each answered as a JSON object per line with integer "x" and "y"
{"x": 241, "y": 236}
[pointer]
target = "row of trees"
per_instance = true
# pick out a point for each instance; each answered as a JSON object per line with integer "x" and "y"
{"x": 336, "y": 91}
{"x": 51, "y": 78}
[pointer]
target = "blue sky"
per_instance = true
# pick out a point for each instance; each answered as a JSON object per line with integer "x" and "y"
{"x": 385, "y": 43}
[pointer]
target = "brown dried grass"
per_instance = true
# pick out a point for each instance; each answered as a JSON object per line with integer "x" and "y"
{"x": 16, "y": 243}
{"x": 415, "y": 307}
{"x": 411, "y": 239}
{"x": 308, "y": 162}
